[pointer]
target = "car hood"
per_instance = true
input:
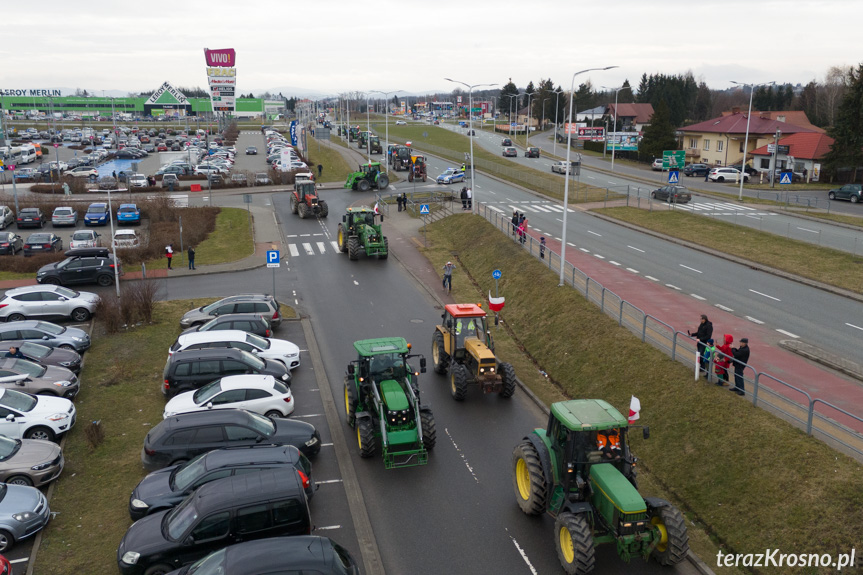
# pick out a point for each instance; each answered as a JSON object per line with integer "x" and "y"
{"x": 155, "y": 485}
{"x": 281, "y": 347}
{"x": 57, "y": 373}
{"x": 20, "y": 498}
{"x": 88, "y": 297}
{"x": 180, "y": 403}
{"x": 34, "y": 452}
{"x": 145, "y": 536}
{"x": 293, "y": 432}
{"x": 194, "y": 315}
{"x": 277, "y": 369}
{"x": 48, "y": 405}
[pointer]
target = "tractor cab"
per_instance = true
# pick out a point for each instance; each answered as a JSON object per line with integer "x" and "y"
{"x": 306, "y": 189}
{"x": 370, "y": 169}
{"x": 465, "y": 322}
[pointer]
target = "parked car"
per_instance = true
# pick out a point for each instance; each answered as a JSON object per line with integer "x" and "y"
{"x": 262, "y": 180}
{"x": 24, "y": 512}
{"x": 170, "y": 181}
{"x": 42, "y": 242}
{"x": 166, "y": 488}
{"x": 107, "y": 183}
{"x": 82, "y": 265}
{"x": 182, "y": 437}
{"x": 229, "y": 510}
{"x": 30, "y": 218}
{"x": 29, "y": 377}
{"x": 83, "y": 172}
{"x": 45, "y": 355}
{"x": 172, "y": 169}
{"x": 696, "y": 170}
{"x": 451, "y": 176}
{"x": 138, "y": 181}
{"x": 250, "y": 322}
{"x": 126, "y": 239}
{"x": 10, "y": 243}
{"x": 31, "y": 462}
{"x": 7, "y": 218}
{"x": 190, "y": 370}
{"x": 510, "y": 152}
{"x": 85, "y": 239}
{"x": 241, "y": 303}
{"x": 44, "y": 301}
{"x": 251, "y": 151}
{"x": 261, "y": 394}
{"x": 97, "y": 215}
{"x": 34, "y": 416}
{"x": 850, "y": 192}
{"x": 401, "y": 123}
{"x": 267, "y": 348}
{"x": 128, "y": 214}
{"x": 64, "y": 216}
{"x": 531, "y": 152}
{"x": 28, "y": 174}
{"x": 672, "y": 194}
{"x": 239, "y": 180}
{"x": 46, "y": 333}
{"x": 726, "y": 174}
{"x": 656, "y": 166}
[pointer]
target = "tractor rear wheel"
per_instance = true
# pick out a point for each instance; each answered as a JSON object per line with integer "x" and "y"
{"x": 342, "y": 239}
{"x": 507, "y": 376}
{"x": 386, "y": 253}
{"x": 350, "y": 401}
{"x": 429, "y": 430}
{"x": 440, "y": 358}
{"x": 528, "y": 479}
{"x": 302, "y": 210}
{"x": 325, "y": 209}
{"x": 458, "y": 381}
{"x": 293, "y": 204}
{"x": 383, "y": 181}
{"x": 574, "y": 542}
{"x": 674, "y": 542}
{"x": 366, "y": 437}
{"x": 363, "y": 185}
{"x": 354, "y": 248}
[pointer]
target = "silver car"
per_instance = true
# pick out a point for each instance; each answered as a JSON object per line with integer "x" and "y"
{"x": 24, "y": 512}
{"x": 33, "y": 462}
{"x": 46, "y": 333}
{"x": 64, "y": 216}
{"x": 46, "y": 301}
{"x": 85, "y": 239}
{"x": 29, "y": 377}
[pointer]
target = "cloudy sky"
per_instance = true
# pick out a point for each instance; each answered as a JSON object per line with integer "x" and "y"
{"x": 333, "y": 46}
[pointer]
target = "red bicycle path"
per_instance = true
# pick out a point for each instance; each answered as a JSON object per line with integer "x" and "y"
{"x": 683, "y": 312}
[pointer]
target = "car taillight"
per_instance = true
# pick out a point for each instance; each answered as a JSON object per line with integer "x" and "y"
{"x": 276, "y": 314}
{"x": 150, "y": 452}
{"x": 304, "y": 478}
{"x": 4, "y": 245}
{"x": 285, "y": 399}
{"x": 267, "y": 333}
{"x": 2, "y": 305}
{"x": 46, "y": 246}
{"x": 166, "y": 385}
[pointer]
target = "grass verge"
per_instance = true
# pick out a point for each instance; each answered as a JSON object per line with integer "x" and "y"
{"x": 749, "y": 479}
{"x": 336, "y": 168}
{"x": 833, "y": 267}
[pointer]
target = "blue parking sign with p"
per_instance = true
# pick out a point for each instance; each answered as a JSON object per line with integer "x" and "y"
{"x": 272, "y": 256}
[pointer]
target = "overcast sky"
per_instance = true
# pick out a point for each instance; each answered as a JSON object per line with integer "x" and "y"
{"x": 334, "y": 46}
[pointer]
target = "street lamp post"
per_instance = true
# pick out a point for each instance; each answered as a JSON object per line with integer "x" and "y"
{"x": 527, "y": 124}
{"x": 512, "y": 98}
{"x": 368, "y": 131}
{"x": 746, "y": 139}
{"x": 556, "y": 108}
{"x": 614, "y": 127}
{"x": 542, "y": 104}
{"x": 470, "y": 131}
{"x": 568, "y": 167}
{"x": 114, "y": 247}
{"x": 386, "y": 123}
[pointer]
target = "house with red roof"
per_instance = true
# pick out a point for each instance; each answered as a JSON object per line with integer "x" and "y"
{"x": 633, "y": 117}
{"x": 801, "y": 152}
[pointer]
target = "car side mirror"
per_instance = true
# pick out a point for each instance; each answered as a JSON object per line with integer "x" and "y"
{"x": 10, "y": 417}
{"x": 45, "y": 337}
{"x": 209, "y": 405}
{"x": 351, "y": 369}
{"x": 646, "y": 432}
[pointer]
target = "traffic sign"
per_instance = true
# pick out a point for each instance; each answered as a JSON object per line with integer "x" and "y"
{"x": 673, "y": 159}
{"x": 785, "y": 178}
{"x": 424, "y": 208}
{"x": 56, "y": 145}
{"x": 496, "y": 274}
{"x": 272, "y": 258}
{"x": 673, "y": 176}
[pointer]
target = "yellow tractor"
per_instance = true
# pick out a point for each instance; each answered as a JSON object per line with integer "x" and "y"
{"x": 464, "y": 347}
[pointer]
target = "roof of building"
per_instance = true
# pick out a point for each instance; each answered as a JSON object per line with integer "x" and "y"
{"x": 736, "y": 124}
{"x": 796, "y": 117}
{"x": 599, "y": 111}
{"x": 805, "y": 145}
{"x": 641, "y": 112}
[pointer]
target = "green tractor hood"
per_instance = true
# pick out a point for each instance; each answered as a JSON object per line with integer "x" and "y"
{"x": 613, "y": 492}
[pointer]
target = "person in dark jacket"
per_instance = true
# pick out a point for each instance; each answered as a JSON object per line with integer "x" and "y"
{"x": 514, "y": 222}
{"x": 702, "y": 334}
{"x": 741, "y": 358}
{"x": 14, "y": 352}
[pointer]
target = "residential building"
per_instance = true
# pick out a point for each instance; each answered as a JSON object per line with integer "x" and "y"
{"x": 801, "y": 152}
{"x": 631, "y": 117}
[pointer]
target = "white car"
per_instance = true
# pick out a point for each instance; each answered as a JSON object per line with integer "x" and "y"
{"x": 280, "y": 349}
{"x": 35, "y": 416}
{"x": 401, "y": 123}
{"x": 206, "y": 169}
{"x": 272, "y": 398}
{"x": 726, "y": 174}
{"x": 85, "y": 239}
{"x": 83, "y": 172}
{"x": 138, "y": 181}
{"x": 126, "y": 239}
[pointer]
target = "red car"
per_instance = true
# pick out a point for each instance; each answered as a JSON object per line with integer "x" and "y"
{"x": 5, "y": 566}
{"x": 161, "y": 148}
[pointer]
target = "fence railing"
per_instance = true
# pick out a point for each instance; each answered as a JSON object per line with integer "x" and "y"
{"x": 830, "y": 423}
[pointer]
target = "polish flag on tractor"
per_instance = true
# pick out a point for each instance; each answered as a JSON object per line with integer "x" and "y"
{"x": 495, "y": 304}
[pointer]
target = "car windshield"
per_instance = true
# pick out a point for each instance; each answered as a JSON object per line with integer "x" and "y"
{"x": 35, "y": 350}
{"x": 95, "y": 210}
{"x": 261, "y": 424}
{"x": 38, "y": 238}
{"x": 253, "y": 360}
{"x": 66, "y": 292}
{"x": 8, "y": 447}
{"x": 185, "y": 475}
{"x": 17, "y": 400}
{"x": 130, "y": 208}
{"x": 258, "y": 341}
{"x": 82, "y": 236}
{"x": 180, "y": 519}
{"x": 28, "y": 367}
{"x": 63, "y": 212}
{"x": 212, "y": 564}
{"x": 51, "y": 328}
{"x": 207, "y": 392}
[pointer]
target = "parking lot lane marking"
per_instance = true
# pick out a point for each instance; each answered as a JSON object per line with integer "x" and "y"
{"x": 594, "y": 233}
{"x": 309, "y": 250}
{"x": 326, "y": 444}
{"x": 854, "y": 326}
{"x": 693, "y": 269}
{"x": 309, "y": 415}
{"x": 723, "y": 308}
{"x": 293, "y": 249}
{"x": 753, "y": 320}
{"x": 765, "y": 295}
{"x": 356, "y": 283}
{"x": 696, "y": 296}
{"x": 788, "y": 333}
{"x": 328, "y": 481}
{"x": 651, "y": 278}
{"x": 24, "y": 560}
{"x": 322, "y": 247}
{"x": 523, "y": 555}
{"x": 463, "y": 458}
{"x": 672, "y": 286}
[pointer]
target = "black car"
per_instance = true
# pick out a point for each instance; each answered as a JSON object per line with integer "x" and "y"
{"x": 531, "y": 152}
{"x": 10, "y": 243}
{"x": 298, "y": 554}
{"x": 241, "y": 508}
{"x": 31, "y": 218}
{"x": 696, "y": 170}
{"x": 673, "y": 194}
{"x": 189, "y": 370}
{"x": 81, "y": 266}
{"x": 44, "y": 354}
{"x": 40, "y": 243}
{"x": 166, "y": 488}
{"x": 251, "y": 151}
{"x": 179, "y": 438}
{"x": 250, "y": 322}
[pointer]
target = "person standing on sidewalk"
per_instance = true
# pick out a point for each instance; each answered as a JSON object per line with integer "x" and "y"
{"x": 469, "y": 194}
{"x": 191, "y": 258}
{"x": 542, "y": 248}
{"x": 741, "y": 358}
{"x": 514, "y": 222}
{"x": 722, "y": 360}
{"x": 169, "y": 253}
{"x": 702, "y": 334}
{"x": 399, "y": 201}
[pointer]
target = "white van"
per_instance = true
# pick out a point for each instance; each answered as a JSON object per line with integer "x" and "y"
{"x": 21, "y": 155}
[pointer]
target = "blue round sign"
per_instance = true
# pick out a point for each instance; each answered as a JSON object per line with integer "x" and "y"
{"x": 496, "y": 274}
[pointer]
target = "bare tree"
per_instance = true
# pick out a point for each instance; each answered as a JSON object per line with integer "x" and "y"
{"x": 832, "y": 92}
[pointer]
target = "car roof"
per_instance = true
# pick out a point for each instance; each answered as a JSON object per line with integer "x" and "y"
{"x": 295, "y": 553}
{"x": 246, "y": 381}
{"x": 251, "y": 454}
{"x": 98, "y": 204}
{"x": 29, "y": 289}
{"x": 193, "y": 354}
{"x": 87, "y": 252}
{"x": 210, "y": 336}
{"x": 197, "y": 418}
{"x": 129, "y": 205}
{"x": 242, "y": 489}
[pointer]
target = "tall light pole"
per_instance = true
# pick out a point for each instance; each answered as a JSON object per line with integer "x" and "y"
{"x": 368, "y": 131}
{"x": 614, "y": 127}
{"x": 542, "y": 105}
{"x": 387, "y": 123}
{"x": 511, "y": 100}
{"x": 556, "y": 108}
{"x": 527, "y": 125}
{"x": 568, "y": 167}
{"x": 470, "y": 130}
{"x": 746, "y": 139}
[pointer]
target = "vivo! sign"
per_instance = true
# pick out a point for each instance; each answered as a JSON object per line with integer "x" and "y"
{"x": 225, "y": 58}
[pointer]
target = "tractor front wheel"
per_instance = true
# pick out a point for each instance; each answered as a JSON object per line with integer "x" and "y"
{"x": 302, "y": 210}
{"x": 350, "y": 401}
{"x": 386, "y": 252}
{"x": 507, "y": 376}
{"x": 366, "y": 437}
{"x": 440, "y": 358}
{"x": 342, "y": 239}
{"x": 383, "y": 181}
{"x": 363, "y": 185}
{"x": 294, "y": 205}
{"x": 354, "y": 248}
{"x": 429, "y": 429}
{"x": 325, "y": 209}
{"x": 528, "y": 479}
{"x": 458, "y": 381}
{"x": 674, "y": 539}
{"x": 574, "y": 542}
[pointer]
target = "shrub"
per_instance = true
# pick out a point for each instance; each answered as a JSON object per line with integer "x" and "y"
{"x": 141, "y": 298}
{"x": 94, "y": 433}
{"x": 108, "y": 313}
{"x": 31, "y": 265}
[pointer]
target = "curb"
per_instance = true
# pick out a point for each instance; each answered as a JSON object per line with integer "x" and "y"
{"x": 825, "y": 358}
{"x": 699, "y": 565}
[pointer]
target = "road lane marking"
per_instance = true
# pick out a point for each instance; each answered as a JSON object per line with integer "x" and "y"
{"x": 788, "y": 333}
{"x": 584, "y": 250}
{"x": 496, "y": 209}
{"x": 693, "y": 269}
{"x": 293, "y": 249}
{"x": 558, "y": 239}
{"x": 765, "y": 295}
{"x": 614, "y": 263}
{"x": 309, "y": 250}
{"x": 722, "y": 307}
{"x": 463, "y": 458}
{"x": 335, "y": 245}
{"x": 325, "y": 481}
{"x": 594, "y": 233}
{"x": 635, "y": 248}
{"x": 753, "y": 320}
{"x": 632, "y": 270}
{"x": 322, "y": 247}
{"x": 672, "y": 286}
{"x": 570, "y": 244}
{"x": 696, "y": 296}
{"x": 854, "y": 326}
{"x": 599, "y": 256}
{"x": 524, "y": 556}
{"x": 356, "y": 283}
{"x": 310, "y": 415}
{"x": 808, "y": 230}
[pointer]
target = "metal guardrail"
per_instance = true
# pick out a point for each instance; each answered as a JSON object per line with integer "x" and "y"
{"x": 830, "y": 424}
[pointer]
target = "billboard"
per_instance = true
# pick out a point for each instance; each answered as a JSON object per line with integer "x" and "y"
{"x": 572, "y": 127}
{"x": 222, "y": 78}
{"x": 593, "y": 134}
{"x": 623, "y": 141}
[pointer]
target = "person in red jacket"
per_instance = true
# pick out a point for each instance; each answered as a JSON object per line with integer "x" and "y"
{"x": 723, "y": 362}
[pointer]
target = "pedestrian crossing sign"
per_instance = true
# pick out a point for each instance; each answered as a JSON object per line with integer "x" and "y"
{"x": 673, "y": 176}
{"x": 785, "y": 178}
{"x": 424, "y": 209}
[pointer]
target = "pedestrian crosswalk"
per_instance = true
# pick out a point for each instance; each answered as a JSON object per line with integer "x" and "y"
{"x": 535, "y": 207}
{"x": 312, "y": 248}
{"x": 722, "y": 208}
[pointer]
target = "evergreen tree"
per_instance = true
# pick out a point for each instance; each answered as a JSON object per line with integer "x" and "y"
{"x": 703, "y": 101}
{"x": 529, "y": 90}
{"x": 659, "y": 134}
{"x": 504, "y": 101}
{"x": 847, "y": 130}
{"x": 626, "y": 95}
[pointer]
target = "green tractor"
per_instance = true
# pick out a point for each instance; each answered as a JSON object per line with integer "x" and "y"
{"x": 358, "y": 232}
{"x": 592, "y": 493}
{"x": 353, "y": 133}
{"x": 362, "y": 140}
{"x": 367, "y": 177}
{"x": 400, "y": 158}
{"x": 375, "y": 145}
{"x": 382, "y": 401}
